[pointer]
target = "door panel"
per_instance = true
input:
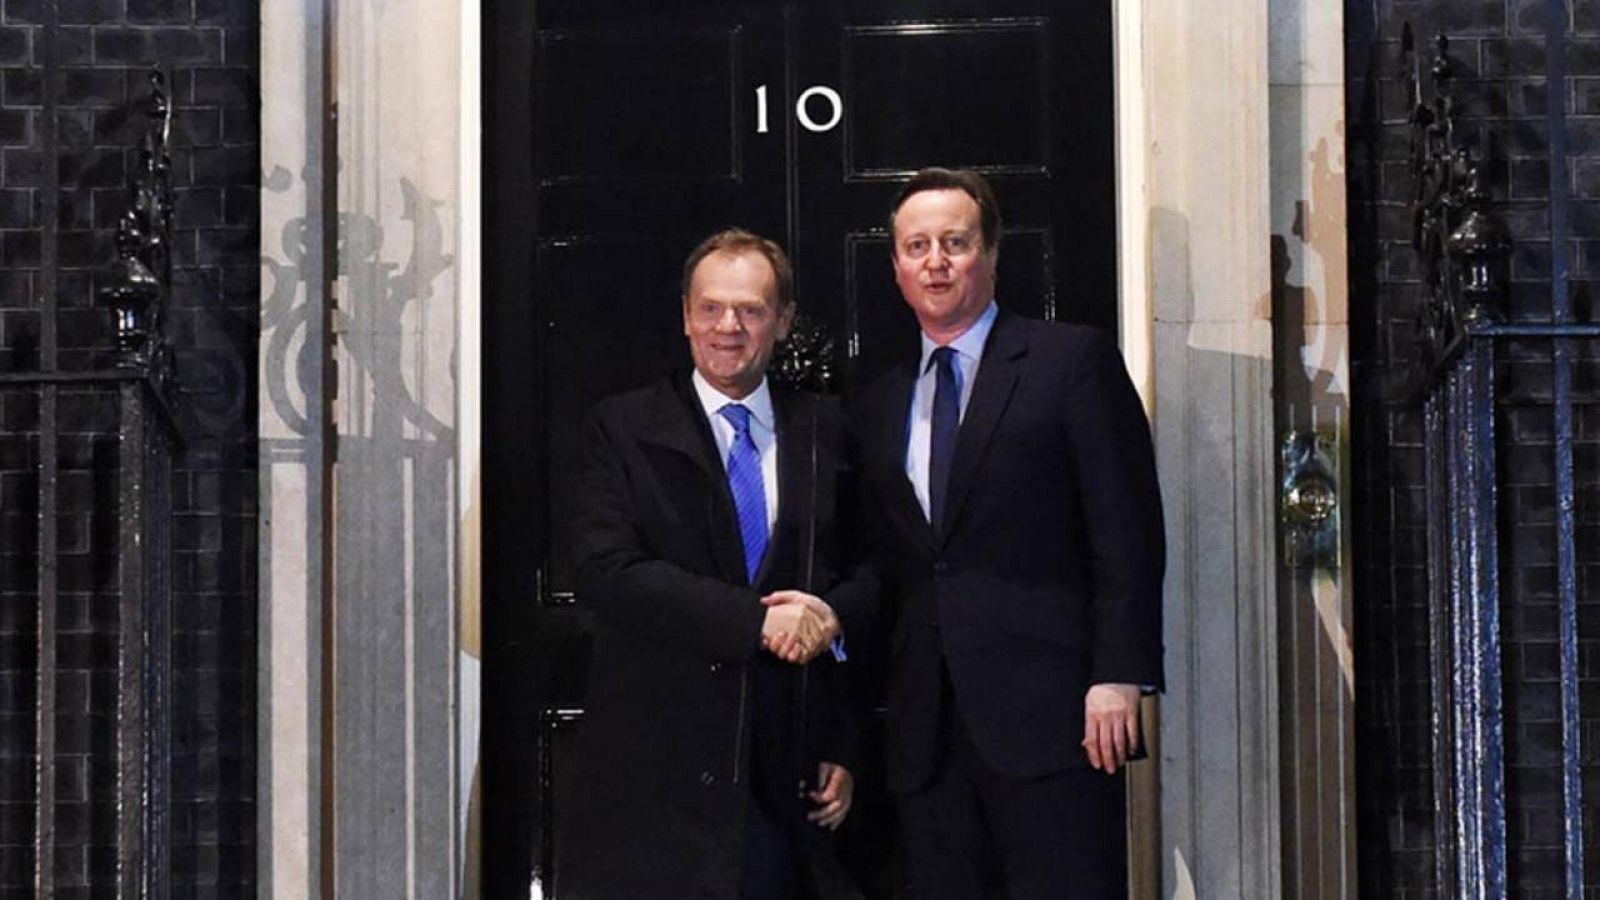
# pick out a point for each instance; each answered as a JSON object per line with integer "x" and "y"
{"x": 600, "y": 129}
{"x": 908, "y": 68}
{"x": 1020, "y": 91}
{"x": 641, "y": 135}
{"x": 602, "y": 339}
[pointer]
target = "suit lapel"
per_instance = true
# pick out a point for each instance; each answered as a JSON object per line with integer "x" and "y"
{"x": 681, "y": 426}
{"x": 899, "y": 496}
{"x": 795, "y": 424}
{"x": 997, "y": 376}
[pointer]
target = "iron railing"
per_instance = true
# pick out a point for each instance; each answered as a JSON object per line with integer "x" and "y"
{"x": 141, "y": 385}
{"x": 1466, "y": 344}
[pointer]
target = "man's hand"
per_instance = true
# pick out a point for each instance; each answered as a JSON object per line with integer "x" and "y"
{"x": 836, "y": 788}
{"x": 798, "y": 626}
{"x": 1110, "y": 724}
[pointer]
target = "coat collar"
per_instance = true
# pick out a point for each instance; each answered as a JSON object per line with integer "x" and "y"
{"x": 796, "y": 417}
{"x": 677, "y": 423}
{"x": 680, "y": 425}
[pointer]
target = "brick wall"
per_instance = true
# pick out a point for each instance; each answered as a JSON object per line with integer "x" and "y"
{"x": 18, "y": 541}
{"x": 1499, "y": 50}
{"x": 101, "y": 55}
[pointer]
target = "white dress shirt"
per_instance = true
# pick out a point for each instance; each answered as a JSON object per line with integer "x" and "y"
{"x": 969, "y": 352}
{"x": 763, "y": 430}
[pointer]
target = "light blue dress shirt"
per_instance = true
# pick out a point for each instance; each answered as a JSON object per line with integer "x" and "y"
{"x": 969, "y": 353}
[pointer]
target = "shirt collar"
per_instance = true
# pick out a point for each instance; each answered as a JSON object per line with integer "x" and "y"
{"x": 759, "y": 401}
{"x": 969, "y": 343}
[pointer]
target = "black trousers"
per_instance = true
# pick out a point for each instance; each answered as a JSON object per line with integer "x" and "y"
{"x": 773, "y": 858}
{"x": 773, "y": 868}
{"x": 975, "y": 833}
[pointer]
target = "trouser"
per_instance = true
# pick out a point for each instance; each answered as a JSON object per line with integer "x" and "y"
{"x": 975, "y": 833}
{"x": 772, "y": 859}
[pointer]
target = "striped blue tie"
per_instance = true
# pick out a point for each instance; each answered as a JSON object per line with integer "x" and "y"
{"x": 748, "y": 489}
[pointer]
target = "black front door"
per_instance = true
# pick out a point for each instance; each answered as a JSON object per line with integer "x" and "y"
{"x": 619, "y": 134}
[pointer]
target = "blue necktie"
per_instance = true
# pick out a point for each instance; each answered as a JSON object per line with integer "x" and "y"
{"x": 748, "y": 489}
{"x": 942, "y": 439}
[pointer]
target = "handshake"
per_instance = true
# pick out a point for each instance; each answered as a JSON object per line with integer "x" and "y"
{"x": 798, "y": 626}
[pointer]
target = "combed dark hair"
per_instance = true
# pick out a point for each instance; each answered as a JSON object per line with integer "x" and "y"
{"x": 974, "y": 185}
{"x": 737, "y": 240}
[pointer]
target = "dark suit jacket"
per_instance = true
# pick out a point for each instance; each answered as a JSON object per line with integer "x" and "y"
{"x": 684, "y": 707}
{"x": 1045, "y": 575}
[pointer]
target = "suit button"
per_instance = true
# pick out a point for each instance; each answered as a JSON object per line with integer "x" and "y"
{"x": 707, "y": 779}
{"x": 716, "y": 667}
{"x": 941, "y": 566}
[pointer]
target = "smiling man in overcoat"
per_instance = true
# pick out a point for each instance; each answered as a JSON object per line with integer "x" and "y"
{"x": 715, "y": 752}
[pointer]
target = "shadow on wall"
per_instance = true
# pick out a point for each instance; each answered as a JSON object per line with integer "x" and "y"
{"x": 1212, "y": 420}
{"x": 394, "y": 525}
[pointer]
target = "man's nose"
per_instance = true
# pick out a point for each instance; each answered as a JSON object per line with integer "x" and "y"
{"x": 729, "y": 320}
{"x": 935, "y": 258}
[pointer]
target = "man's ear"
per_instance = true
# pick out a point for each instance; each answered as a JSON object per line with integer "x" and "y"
{"x": 685, "y": 307}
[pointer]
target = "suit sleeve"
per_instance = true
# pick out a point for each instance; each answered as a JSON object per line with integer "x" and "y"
{"x": 855, "y": 597}
{"x": 833, "y": 720}
{"x": 630, "y": 587}
{"x": 1116, "y": 473}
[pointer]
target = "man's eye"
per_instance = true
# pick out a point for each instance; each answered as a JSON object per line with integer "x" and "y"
{"x": 916, "y": 247}
{"x": 957, "y": 243}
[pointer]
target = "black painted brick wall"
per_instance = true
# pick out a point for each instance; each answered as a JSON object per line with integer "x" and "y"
{"x": 19, "y": 482}
{"x": 104, "y": 47}
{"x": 86, "y": 648}
{"x": 19, "y": 486}
{"x": 1499, "y": 50}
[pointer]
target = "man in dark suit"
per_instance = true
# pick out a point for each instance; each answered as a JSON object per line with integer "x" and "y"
{"x": 705, "y": 541}
{"x": 1022, "y": 539}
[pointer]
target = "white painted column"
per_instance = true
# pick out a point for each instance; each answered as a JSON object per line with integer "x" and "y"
{"x": 365, "y": 777}
{"x": 397, "y": 620}
{"x": 289, "y": 788}
{"x": 1195, "y": 236}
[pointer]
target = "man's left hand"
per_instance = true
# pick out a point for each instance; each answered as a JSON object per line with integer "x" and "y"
{"x": 836, "y": 789}
{"x": 1110, "y": 725}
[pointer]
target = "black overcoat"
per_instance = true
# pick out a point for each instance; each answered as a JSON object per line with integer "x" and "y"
{"x": 680, "y": 688}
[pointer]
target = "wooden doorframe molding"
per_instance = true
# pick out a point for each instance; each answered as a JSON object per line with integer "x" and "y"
{"x": 1136, "y": 333}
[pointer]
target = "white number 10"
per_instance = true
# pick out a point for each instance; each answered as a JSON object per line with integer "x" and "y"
{"x": 800, "y": 112}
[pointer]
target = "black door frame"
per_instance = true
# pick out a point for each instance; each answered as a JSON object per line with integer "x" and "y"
{"x": 511, "y": 715}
